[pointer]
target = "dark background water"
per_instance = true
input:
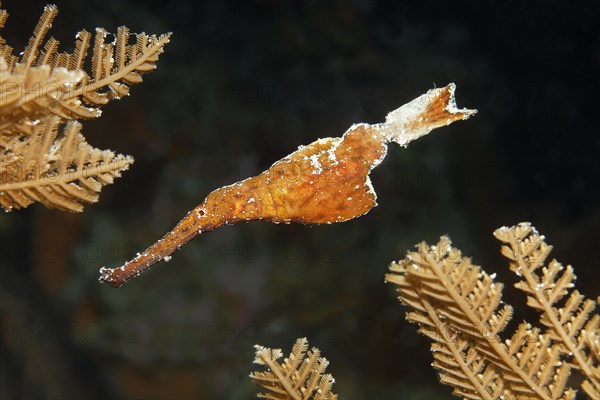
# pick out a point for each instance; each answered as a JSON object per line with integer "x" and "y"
{"x": 243, "y": 84}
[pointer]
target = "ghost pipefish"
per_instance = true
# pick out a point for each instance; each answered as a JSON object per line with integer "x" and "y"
{"x": 324, "y": 182}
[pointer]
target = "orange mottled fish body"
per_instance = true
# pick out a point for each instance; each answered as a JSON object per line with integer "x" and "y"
{"x": 324, "y": 182}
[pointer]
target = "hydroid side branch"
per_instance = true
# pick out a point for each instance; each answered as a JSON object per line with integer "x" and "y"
{"x": 300, "y": 376}
{"x": 43, "y": 155}
{"x": 459, "y": 306}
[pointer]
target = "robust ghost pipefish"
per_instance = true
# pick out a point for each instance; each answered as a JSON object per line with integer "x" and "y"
{"x": 324, "y": 182}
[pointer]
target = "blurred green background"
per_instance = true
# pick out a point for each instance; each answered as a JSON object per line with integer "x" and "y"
{"x": 243, "y": 84}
